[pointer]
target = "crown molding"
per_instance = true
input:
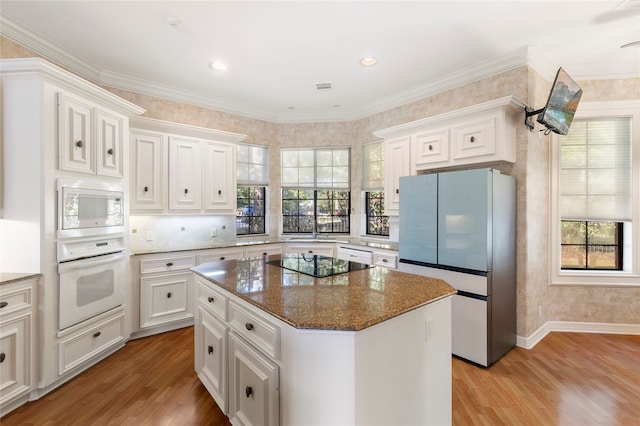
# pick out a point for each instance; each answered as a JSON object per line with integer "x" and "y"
{"x": 48, "y": 50}
{"x": 150, "y": 88}
{"x": 532, "y": 56}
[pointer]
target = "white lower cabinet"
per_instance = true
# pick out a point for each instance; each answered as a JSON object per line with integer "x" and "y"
{"x": 165, "y": 298}
{"x": 280, "y": 375}
{"x": 241, "y": 378}
{"x": 165, "y": 291}
{"x": 16, "y": 343}
{"x": 253, "y": 385}
{"x": 211, "y": 356}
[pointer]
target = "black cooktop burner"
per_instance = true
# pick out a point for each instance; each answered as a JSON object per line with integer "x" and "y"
{"x": 316, "y": 265}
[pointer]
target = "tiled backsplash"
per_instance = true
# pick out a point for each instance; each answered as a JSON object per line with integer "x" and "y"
{"x": 179, "y": 232}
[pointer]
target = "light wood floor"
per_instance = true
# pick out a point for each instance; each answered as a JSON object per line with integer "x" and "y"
{"x": 567, "y": 379}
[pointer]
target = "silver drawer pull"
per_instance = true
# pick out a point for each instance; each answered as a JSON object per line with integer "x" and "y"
{"x": 249, "y": 326}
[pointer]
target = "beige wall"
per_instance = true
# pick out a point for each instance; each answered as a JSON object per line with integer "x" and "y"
{"x": 537, "y": 301}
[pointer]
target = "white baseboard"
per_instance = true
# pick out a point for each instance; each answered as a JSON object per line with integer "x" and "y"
{"x": 575, "y": 327}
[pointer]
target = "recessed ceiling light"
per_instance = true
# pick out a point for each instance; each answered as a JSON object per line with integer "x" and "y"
{"x": 173, "y": 22}
{"x": 218, "y": 66}
{"x": 369, "y": 61}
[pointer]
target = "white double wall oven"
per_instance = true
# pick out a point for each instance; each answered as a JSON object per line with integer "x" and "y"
{"x": 91, "y": 249}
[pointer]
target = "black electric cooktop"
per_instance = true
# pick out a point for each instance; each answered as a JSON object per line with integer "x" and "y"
{"x": 316, "y": 265}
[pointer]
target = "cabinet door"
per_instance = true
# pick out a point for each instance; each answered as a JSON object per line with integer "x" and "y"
{"x": 15, "y": 356}
{"x": 430, "y": 148}
{"x": 165, "y": 299}
{"x": 148, "y": 173}
{"x": 418, "y": 228}
{"x": 464, "y": 218}
{"x": 475, "y": 138}
{"x": 220, "y": 176}
{"x": 397, "y": 163}
{"x": 211, "y": 356}
{"x": 253, "y": 386}
{"x": 75, "y": 128}
{"x": 185, "y": 176}
{"x": 109, "y": 144}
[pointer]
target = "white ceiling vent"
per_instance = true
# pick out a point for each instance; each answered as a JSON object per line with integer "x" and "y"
{"x": 323, "y": 86}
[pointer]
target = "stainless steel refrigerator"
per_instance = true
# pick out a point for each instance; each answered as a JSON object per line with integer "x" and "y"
{"x": 461, "y": 226}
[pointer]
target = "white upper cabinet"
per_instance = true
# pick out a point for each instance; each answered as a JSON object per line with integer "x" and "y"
{"x": 91, "y": 138}
{"x": 219, "y": 176}
{"x": 180, "y": 168}
{"x": 148, "y": 171}
{"x": 397, "y": 163}
{"x": 479, "y": 134}
{"x": 185, "y": 174}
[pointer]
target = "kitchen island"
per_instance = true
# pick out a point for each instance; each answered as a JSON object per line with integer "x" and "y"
{"x": 365, "y": 347}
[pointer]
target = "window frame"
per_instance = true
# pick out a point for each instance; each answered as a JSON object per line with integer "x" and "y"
{"x": 629, "y": 276}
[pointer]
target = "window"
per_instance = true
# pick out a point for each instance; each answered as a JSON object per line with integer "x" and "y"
{"x": 315, "y": 190}
{"x": 253, "y": 178}
{"x": 595, "y": 200}
{"x": 591, "y": 245}
{"x": 377, "y": 223}
{"x": 250, "y": 218}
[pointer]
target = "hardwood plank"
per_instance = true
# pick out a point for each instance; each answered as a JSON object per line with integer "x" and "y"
{"x": 567, "y": 379}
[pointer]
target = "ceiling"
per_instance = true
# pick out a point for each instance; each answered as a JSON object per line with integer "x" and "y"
{"x": 277, "y": 52}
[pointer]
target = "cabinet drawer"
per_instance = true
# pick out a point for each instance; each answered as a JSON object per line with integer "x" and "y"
{"x": 212, "y": 300}
{"x": 322, "y": 249}
{"x": 83, "y": 345}
{"x": 226, "y": 254}
{"x": 385, "y": 260}
{"x": 354, "y": 255}
{"x": 264, "y": 250}
{"x": 259, "y": 331}
{"x": 166, "y": 264}
{"x": 14, "y": 300}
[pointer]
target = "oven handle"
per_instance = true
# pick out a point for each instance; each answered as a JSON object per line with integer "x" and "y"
{"x": 93, "y": 261}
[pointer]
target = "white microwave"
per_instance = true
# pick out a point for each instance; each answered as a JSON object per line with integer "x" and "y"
{"x": 89, "y": 208}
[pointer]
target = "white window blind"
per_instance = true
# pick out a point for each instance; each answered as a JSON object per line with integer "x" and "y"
{"x": 595, "y": 170}
{"x": 373, "y": 166}
{"x": 316, "y": 168}
{"x": 252, "y": 163}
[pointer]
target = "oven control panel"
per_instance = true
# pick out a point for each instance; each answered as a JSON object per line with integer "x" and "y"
{"x": 76, "y": 249}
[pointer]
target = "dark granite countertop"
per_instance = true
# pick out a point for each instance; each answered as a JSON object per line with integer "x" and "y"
{"x": 350, "y": 301}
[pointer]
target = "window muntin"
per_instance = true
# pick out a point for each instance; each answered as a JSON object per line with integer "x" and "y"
{"x": 377, "y": 221}
{"x": 250, "y": 212}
